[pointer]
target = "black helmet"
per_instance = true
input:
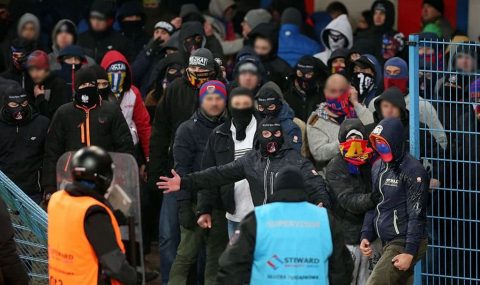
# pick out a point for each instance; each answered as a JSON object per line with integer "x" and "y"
{"x": 93, "y": 164}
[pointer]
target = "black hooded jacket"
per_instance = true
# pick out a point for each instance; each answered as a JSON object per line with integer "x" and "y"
{"x": 350, "y": 192}
{"x": 190, "y": 29}
{"x": 137, "y": 38}
{"x": 277, "y": 69}
{"x": 54, "y": 96}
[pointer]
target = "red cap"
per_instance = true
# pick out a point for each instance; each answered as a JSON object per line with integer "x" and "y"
{"x": 38, "y": 59}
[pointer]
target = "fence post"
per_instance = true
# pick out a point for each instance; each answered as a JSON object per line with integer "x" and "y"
{"x": 413, "y": 86}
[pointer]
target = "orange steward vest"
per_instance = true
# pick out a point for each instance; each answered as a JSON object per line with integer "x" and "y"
{"x": 71, "y": 258}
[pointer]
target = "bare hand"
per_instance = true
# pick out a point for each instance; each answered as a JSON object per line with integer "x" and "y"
{"x": 320, "y": 205}
{"x": 205, "y": 221}
{"x": 365, "y": 247}
{"x": 402, "y": 261}
{"x": 170, "y": 184}
{"x": 38, "y": 90}
{"x": 176, "y": 22}
{"x": 353, "y": 97}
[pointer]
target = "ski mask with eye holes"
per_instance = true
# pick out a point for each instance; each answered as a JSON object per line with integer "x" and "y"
{"x": 267, "y": 97}
{"x": 16, "y": 108}
{"x": 270, "y": 136}
{"x": 336, "y": 40}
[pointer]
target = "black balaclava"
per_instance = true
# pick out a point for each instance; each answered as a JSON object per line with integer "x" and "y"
{"x": 105, "y": 93}
{"x": 267, "y": 97}
{"x": 86, "y": 97}
{"x": 271, "y": 145}
{"x": 241, "y": 118}
{"x": 20, "y": 113}
{"x": 305, "y": 65}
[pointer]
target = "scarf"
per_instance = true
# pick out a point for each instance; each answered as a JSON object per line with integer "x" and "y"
{"x": 341, "y": 106}
{"x": 356, "y": 153}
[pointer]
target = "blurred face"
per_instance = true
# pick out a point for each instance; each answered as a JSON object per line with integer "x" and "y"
{"x": 262, "y": 46}
{"x": 379, "y": 17}
{"x": 229, "y": 13}
{"x": 241, "y": 102}
{"x": 465, "y": 62}
{"x": 362, "y": 23}
{"x": 72, "y": 60}
{"x": 213, "y": 105}
{"x": 161, "y": 34}
{"x": 28, "y": 31}
{"x": 354, "y": 137}
{"x": 336, "y": 86}
{"x": 98, "y": 25}
{"x": 132, "y": 18}
{"x": 429, "y": 13}
{"x": 64, "y": 39}
{"x": 38, "y": 75}
{"x": 368, "y": 70}
{"x": 354, "y": 56}
{"x": 87, "y": 84}
{"x": 248, "y": 80}
{"x": 392, "y": 70}
{"x": 246, "y": 29}
{"x": 389, "y": 110}
{"x": 338, "y": 63}
{"x": 102, "y": 83}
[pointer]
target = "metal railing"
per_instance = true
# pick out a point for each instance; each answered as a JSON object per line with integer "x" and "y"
{"x": 444, "y": 75}
{"x": 30, "y": 225}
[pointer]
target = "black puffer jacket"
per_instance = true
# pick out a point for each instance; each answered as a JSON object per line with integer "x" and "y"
{"x": 350, "y": 192}
{"x": 21, "y": 151}
{"x": 107, "y": 129}
{"x": 403, "y": 185}
{"x": 96, "y": 45}
{"x": 54, "y": 96}
{"x": 259, "y": 172}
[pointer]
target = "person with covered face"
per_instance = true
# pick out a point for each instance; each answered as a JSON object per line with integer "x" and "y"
{"x": 188, "y": 149}
{"x": 86, "y": 121}
{"x": 259, "y": 166}
{"x": 19, "y": 51}
{"x": 23, "y": 141}
{"x": 323, "y": 124}
{"x": 399, "y": 218}
{"x": 129, "y": 99}
{"x": 386, "y": 41}
{"x": 131, "y": 19}
{"x": 336, "y": 35}
{"x": 71, "y": 59}
{"x": 49, "y": 91}
{"x": 263, "y": 243}
{"x": 264, "y": 38}
{"x": 348, "y": 177}
{"x": 177, "y": 106}
{"x": 305, "y": 89}
{"x": 63, "y": 34}
{"x": 270, "y": 103}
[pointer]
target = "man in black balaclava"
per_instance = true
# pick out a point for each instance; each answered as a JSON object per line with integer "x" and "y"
{"x": 131, "y": 19}
{"x": 258, "y": 166}
{"x": 23, "y": 139}
{"x": 191, "y": 38}
{"x": 305, "y": 90}
{"x": 84, "y": 122}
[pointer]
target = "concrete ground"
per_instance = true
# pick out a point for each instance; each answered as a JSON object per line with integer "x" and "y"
{"x": 152, "y": 262}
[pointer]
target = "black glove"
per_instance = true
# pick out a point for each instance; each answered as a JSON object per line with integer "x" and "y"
{"x": 375, "y": 196}
{"x": 186, "y": 215}
{"x": 153, "y": 47}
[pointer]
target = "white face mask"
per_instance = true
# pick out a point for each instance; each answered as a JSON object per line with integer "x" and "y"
{"x": 336, "y": 40}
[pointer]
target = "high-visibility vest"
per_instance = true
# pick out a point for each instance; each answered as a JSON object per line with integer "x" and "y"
{"x": 71, "y": 258}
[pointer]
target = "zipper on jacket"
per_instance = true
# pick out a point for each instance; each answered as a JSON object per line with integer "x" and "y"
{"x": 383, "y": 198}
{"x": 271, "y": 183}
{"x": 395, "y": 218}
{"x": 17, "y": 129}
{"x": 265, "y": 181}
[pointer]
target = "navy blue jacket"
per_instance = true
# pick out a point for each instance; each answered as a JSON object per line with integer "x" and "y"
{"x": 292, "y": 45}
{"x": 403, "y": 185}
{"x": 190, "y": 141}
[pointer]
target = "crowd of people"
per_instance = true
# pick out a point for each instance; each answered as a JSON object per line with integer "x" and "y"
{"x": 215, "y": 99}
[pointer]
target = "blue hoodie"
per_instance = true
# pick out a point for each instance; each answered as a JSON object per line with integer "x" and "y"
{"x": 292, "y": 45}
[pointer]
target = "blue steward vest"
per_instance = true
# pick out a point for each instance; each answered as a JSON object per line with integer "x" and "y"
{"x": 293, "y": 245}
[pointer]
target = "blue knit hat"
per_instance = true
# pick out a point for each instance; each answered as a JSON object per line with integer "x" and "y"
{"x": 212, "y": 87}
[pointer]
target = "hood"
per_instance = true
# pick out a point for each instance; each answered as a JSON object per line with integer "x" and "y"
{"x": 72, "y": 50}
{"x": 190, "y": 29}
{"x": 217, "y": 7}
{"x": 112, "y": 57}
{"x": 253, "y": 59}
{"x": 55, "y": 32}
{"x": 272, "y": 85}
{"x": 342, "y": 52}
{"x": 130, "y": 8}
{"x": 351, "y": 124}
{"x": 172, "y": 43}
{"x": 168, "y": 61}
{"x": 341, "y": 25}
{"x": 372, "y": 62}
{"x": 289, "y": 186}
{"x": 26, "y": 18}
{"x": 267, "y": 31}
{"x": 389, "y": 130}
{"x": 456, "y": 50}
{"x": 389, "y": 14}
{"x": 394, "y": 96}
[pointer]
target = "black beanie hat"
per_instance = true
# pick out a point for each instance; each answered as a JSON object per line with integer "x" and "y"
{"x": 103, "y": 9}
{"x": 240, "y": 91}
{"x": 289, "y": 177}
{"x": 99, "y": 72}
{"x": 202, "y": 57}
{"x": 437, "y": 4}
{"x": 85, "y": 75}
{"x": 292, "y": 16}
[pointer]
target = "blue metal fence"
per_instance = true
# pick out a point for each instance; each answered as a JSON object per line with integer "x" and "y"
{"x": 30, "y": 226}
{"x": 444, "y": 75}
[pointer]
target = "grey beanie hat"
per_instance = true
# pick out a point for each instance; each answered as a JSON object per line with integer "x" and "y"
{"x": 292, "y": 16}
{"x": 256, "y": 17}
{"x": 202, "y": 57}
